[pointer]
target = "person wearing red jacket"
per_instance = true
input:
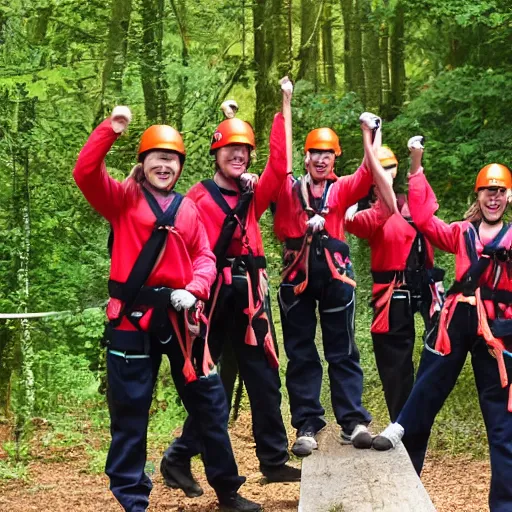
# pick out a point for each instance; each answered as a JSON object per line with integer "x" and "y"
{"x": 161, "y": 269}
{"x": 404, "y": 282}
{"x": 309, "y": 219}
{"x": 239, "y": 309}
{"x": 476, "y": 318}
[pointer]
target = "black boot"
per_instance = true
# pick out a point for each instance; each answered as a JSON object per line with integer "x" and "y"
{"x": 233, "y": 502}
{"x": 283, "y": 473}
{"x": 179, "y": 476}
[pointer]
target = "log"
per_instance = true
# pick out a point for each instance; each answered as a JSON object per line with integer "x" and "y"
{"x": 340, "y": 478}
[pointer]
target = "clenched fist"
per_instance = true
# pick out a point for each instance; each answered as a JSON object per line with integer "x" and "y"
{"x": 120, "y": 118}
{"x": 371, "y": 121}
{"x": 230, "y": 108}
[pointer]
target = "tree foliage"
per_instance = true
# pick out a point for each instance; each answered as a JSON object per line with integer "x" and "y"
{"x": 441, "y": 68}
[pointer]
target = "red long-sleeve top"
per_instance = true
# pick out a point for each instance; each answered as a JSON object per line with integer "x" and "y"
{"x": 269, "y": 182}
{"x": 290, "y": 218}
{"x": 186, "y": 261}
{"x": 390, "y": 238}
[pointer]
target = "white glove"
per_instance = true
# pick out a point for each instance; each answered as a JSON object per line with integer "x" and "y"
{"x": 248, "y": 181}
{"x": 351, "y": 212}
{"x": 120, "y": 118}
{"x": 370, "y": 120}
{"x": 416, "y": 142}
{"x": 230, "y": 108}
{"x": 316, "y": 223}
{"x": 181, "y": 299}
{"x": 286, "y": 85}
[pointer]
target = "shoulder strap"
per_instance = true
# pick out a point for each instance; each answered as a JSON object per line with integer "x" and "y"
{"x": 217, "y": 196}
{"x": 163, "y": 218}
{"x": 325, "y": 196}
{"x": 234, "y": 217}
{"x": 149, "y": 254}
{"x": 417, "y": 255}
{"x": 478, "y": 265}
{"x": 296, "y": 187}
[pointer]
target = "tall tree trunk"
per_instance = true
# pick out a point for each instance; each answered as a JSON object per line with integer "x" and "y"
{"x": 25, "y": 119}
{"x": 327, "y": 46}
{"x": 384, "y": 64}
{"x": 281, "y": 41}
{"x": 117, "y": 47}
{"x": 347, "y": 13}
{"x": 161, "y": 83}
{"x": 308, "y": 54}
{"x": 397, "y": 53}
{"x": 264, "y": 95}
{"x": 154, "y": 85}
{"x": 371, "y": 58}
{"x": 356, "y": 45}
{"x": 180, "y": 12}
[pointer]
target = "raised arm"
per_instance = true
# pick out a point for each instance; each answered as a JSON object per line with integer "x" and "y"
{"x": 423, "y": 205}
{"x": 279, "y": 164}
{"x": 103, "y": 192}
{"x": 372, "y": 124}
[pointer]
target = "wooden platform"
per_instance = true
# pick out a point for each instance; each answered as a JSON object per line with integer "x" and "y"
{"x": 338, "y": 478}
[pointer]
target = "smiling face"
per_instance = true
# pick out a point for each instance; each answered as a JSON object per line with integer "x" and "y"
{"x": 493, "y": 201}
{"x": 232, "y": 160}
{"x": 319, "y": 164}
{"x": 162, "y": 169}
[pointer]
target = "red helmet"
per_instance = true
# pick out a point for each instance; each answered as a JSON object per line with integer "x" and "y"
{"x": 323, "y": 138}
{"x": 232, "y": 131}
{"x": 493, "y": 175}
{"x": 161, "y": 136}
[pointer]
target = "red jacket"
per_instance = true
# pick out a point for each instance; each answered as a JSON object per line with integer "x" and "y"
{"x": 186, "y": 262}
{"x": 384, "y": 232}
{"x": 391, "y": 239}
{"x": 452, "y": 238}
{"x": 290, "y": 218}
{"x": 270, "y": 181}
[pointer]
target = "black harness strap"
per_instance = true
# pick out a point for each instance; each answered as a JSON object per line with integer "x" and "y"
{"x": 141, "y": 270}
{"x": 234, "y": 217}
{"x": 217, "y": 196}
{"x": 469, "y": 282}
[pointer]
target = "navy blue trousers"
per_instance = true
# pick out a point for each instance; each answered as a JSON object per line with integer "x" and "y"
{"x": 262, "y": 382}
{"x": 130, "y": 389}
{"x": 435, "y": 380}
{"x": 394, "y": 349}
{"x": 304, "y": 371}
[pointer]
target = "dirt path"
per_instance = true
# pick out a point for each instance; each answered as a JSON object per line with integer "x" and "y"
{"x": 59, "y": 482}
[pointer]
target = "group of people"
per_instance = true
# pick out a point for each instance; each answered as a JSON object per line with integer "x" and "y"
{"x": 188, "y": 280}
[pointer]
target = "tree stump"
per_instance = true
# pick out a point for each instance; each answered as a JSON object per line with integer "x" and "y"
{"x": 340, "y": 478}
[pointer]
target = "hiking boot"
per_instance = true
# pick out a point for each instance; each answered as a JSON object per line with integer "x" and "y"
{"x": 389, "y": 437}
{"x": 179, "y": 476}
{"x": 283, "y": 473}
{"x": 359, "y": 438}
{"x": 304, "y": 444}
{"x": 233, "y": 502}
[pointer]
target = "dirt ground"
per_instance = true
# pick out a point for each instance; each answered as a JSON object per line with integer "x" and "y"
{"x": 454, "y": 484}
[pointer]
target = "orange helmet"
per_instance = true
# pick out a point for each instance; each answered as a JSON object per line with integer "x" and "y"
{"x": 161, "y": 136}
{"x": 386, "y": 157}
{"x": 323, "y": 138}
{"x": 232, "y": 131}
{"x": 493, "y": 175}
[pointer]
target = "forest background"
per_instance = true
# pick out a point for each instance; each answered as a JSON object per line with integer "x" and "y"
{"x": 439, "y": 68}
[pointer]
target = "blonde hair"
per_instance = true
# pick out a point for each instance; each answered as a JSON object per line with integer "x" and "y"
{"x": 135, "y": 180}
{"x": 474, "y": 212}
